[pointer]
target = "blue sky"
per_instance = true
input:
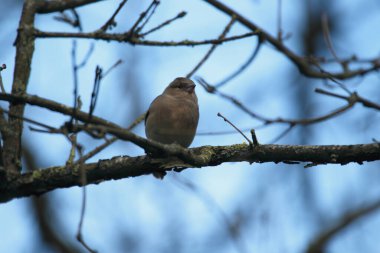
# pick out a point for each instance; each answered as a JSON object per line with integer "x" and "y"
{"x": 162, "y": 213}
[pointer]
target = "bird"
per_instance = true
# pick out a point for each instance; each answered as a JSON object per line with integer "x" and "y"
{"x": 172, "y": 117}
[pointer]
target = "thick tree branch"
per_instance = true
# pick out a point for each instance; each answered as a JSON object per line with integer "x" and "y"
{"x": 44, "y": 180}
{"x": 24, "y": 53}
{"x": 60, "y": 5}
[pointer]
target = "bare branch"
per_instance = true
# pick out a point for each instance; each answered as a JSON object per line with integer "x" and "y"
{"x": 244, "y": 66}
{"x": 134, "y": 40}
{"x": 79, "y": 235}
{"x": 279, "y": 20}
{"x": 167, "y": 22}
{"x": 237, "y": 129}
{"x": 72, "y": 21}
{"x": 24, "y": 53}
{"x": 267, "y": 121}
{"x": 41, "y": 181}
{"x": 95, "y": 90}
{"x": 254, "y": 138}
{"x": 212, "y": 48}
{"x": 304, "y": 66}
{"x": 45, "y": 215}
{"x": 320, "y": 241}
{"x": 148, "y": 14}
{"x": 111, "y": 21}
{"x": 283, "y": 133}
{"x": 327, "y": 37}
{"x": 108, "y": 142}
{"x": 353, "y": 98}
{"x": 44, "y": 7}
{"x": 117, "y": 63}
{"x": 212, "y": 89}
{"x": 54, "y": 106}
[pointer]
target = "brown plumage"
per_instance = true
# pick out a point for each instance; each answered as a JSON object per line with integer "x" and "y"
{"x": 173, "y": 116}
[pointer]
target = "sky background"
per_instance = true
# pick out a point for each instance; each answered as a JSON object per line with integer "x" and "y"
{"x": 277, "y": 207}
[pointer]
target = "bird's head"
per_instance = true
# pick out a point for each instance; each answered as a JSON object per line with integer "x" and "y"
{"x": 181, "y": 87}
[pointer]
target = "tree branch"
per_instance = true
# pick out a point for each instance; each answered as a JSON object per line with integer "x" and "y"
{"x": 304, "y": 65}
{"x": 56, "y": 107}
{"x": 320, "y": 242}
{"x": 353, "y": 98}
{"x": 24, "y": 53}
{"x": 44, "y": 180}
{"x": 135, "y": 39}
{"x": 44, "y": 7}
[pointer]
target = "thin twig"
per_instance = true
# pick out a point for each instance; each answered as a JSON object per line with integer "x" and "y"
{"x": 87, "y": 56}
{"x": 135, "y": 40}
{"x": 50, "y": 128}
{"x": 349, "y": 59}
{"x": 96, "y": 150}
{"x": 137, "y": 121}
{"x": 117, "y": 63}
{"x": 72, "y": 21}
{"x": 83, "y": 182}
{"x": 237, "y": 129}
{"x": 98, "y": 78}
{"x": 73, "y": 138}
{"x": 333, "y": 79}
{"x": 108, "y": 142}
{"x": 254, "y": 138}
{"x": 212, "y": 48}
{"x": 267, "y": 121}
{"x": 77, "y": 23}
{"x": 56, "y": 107}
{"x": 111, "y": 21}
{"x": 149, "y": 13}
{"x": 167, "y": 22}
{"x": 141, "y": 17}
{"x": 283, "y": 133}
{"x": 95, "y": 90}
{"x": 327, "y": 37}
{"x": 79, "y": 235}
{"x": 77, "y": 18}
{"x": 279, "y": 20}
{"x": 2, "y": 67}
{"x": 77, "y": 67}
{"x": 353, "y": 98}
{"x": 329, "y": 93}
{"x": 75, "y": 76}
{"x": 212, "y": 89}
{"x": 244, "y": 66}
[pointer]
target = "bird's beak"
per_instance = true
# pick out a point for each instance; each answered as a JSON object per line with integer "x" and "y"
{"x": 190, "y": 89}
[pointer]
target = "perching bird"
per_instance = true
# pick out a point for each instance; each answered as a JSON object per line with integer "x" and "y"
{"x": 173, "y": 116}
